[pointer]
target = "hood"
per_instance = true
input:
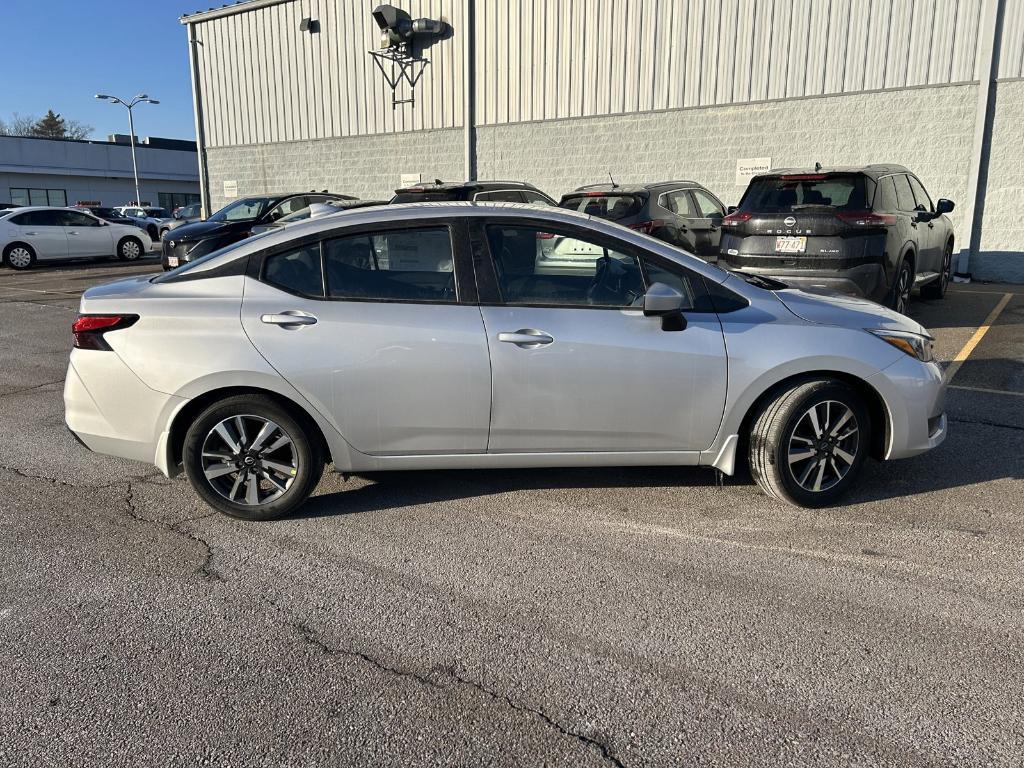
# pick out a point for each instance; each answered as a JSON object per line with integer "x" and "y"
{"x": 845, "y": 311}
{"x": 200, "y": 230}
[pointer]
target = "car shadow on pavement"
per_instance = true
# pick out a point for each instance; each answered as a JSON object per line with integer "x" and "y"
{"x": 80, "y": 265}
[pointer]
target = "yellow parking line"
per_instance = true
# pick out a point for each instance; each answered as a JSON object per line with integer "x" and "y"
{"x": 986, "y": 390}
{"x": 973, "y": 342}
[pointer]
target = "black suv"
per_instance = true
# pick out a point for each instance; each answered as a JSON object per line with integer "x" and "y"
{"x": 870, "y": 231}
{"x": 476, "y": 191}
{"x": 234, "y": 222}
{"x": 679, "y": 212}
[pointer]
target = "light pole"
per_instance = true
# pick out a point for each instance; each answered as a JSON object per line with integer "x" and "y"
{"x": 138, "y": 99}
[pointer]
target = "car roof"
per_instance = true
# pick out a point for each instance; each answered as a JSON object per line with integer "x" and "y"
{"x": 874, "y": 170}
{"x": 484, "y": 184}
{"x": 421, "y": 212}
{"x": 652, "y": 186}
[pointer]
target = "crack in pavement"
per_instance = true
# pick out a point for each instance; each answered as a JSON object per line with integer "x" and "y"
{"x": 310, "y": 637}
{"x": 29, "y": 389}
{"x": 987, "y": 423}
{"x": 205, "y": 569}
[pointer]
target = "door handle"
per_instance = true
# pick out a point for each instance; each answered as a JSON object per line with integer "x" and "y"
{"x": 72, "y": 233}
{"x": 31, "y": 233}
{"x": 526, "y": 338}
{"x": 290, "y": 317}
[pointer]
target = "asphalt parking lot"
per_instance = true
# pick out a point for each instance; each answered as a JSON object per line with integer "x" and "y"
{"x": 581, "y": 617}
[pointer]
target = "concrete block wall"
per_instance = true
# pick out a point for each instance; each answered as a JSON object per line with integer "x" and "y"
{"x": 1000, "y": 254}
{"x": 929, "y": 130}
{"x": 369, "y": 167}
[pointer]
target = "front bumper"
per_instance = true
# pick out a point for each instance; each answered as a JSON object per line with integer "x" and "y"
{"x": 915, "y": 396}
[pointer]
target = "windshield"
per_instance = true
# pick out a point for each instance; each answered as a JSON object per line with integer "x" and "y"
{"x": 245, "y": 209}
{"x": 611, "y": 207}
{"x": 795, "y": 192}
{"x": 188, "y": 266}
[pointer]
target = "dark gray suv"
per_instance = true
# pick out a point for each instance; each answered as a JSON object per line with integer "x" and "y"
{"x": 871, "y": 231}
{"x": 683, "y": 213}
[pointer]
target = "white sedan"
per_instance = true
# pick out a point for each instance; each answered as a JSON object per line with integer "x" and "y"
{"x": 37, "y": 233}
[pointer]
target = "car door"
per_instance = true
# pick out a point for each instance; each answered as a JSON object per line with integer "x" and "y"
{"x": 931, "y": 234}
{"x": 677, "y": 226}
{"x": 707, "y": 222}
{"x": 44, "y": 231}
{"x": 576, "y": 366}
{"x": 86, "y": 236}
{"x": 376, "y": 329}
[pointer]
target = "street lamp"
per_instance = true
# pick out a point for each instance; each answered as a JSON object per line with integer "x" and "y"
{"x": 138, "y": 99}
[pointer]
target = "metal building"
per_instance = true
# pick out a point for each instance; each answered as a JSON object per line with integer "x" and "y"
{"x": 564, "y": 92}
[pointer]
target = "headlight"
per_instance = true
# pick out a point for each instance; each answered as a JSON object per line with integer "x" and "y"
{"x": 914, "y": 344}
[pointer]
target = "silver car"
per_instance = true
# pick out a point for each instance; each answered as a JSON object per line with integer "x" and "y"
{"x": 461, "y": 335}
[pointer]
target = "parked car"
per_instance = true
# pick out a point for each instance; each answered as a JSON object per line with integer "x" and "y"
{"x": 234, "y": 222}
{"x": 679, "y": 212}
{"x": 315, "y": 211}
{"x": 187, "y": 214}
{"x": 156, "y": 221}
{"x": 404, "y": 337}
{"x": 476, "y": 191}
{"x": 8, "y": 206}
{"x": 109, "y": 214}
{"x": 37, "y": 233}
{"x": 871, "y": 231}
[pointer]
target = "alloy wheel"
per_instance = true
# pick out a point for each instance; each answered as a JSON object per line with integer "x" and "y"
{"x": 903, "y": 290}
{"x": 249, "y": 460}
{"x": 947, "y": 268}
{"x": 19, "y": 258}
{"x": 823, "y": 445}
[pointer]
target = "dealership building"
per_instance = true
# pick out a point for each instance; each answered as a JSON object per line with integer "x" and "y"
{"x": 289, "y": 95}
{"x": 36, "y": 171}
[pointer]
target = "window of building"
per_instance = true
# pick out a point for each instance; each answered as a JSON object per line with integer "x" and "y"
{"x": 172, "y": 200}
{"x": 26, "y": 196}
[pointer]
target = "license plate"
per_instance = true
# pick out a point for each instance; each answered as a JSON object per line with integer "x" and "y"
{"x": 790, "y": 244}
{"x": 172, "y": 261}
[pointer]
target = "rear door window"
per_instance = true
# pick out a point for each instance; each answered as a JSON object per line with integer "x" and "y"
{"x": 904, "y": 195}
{"x": 500, "y": 196}
{"x": 680, "y": 203}
{"x": 297, "y": 271}
{"x": 612, "y": 207}
{"x": 398, "y": 265}
{"x": 794, "y": 192}
{"x": 535, "y": 198}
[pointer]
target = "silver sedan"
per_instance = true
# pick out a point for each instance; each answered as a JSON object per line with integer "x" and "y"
{"x": 460, "y": 335}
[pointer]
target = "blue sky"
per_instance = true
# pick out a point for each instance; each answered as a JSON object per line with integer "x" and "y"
{"x": 62, "y": 52}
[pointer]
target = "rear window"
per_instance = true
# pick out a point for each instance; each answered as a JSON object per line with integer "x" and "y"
{"x": 611, "y": 207}
{"x": 782, "y": 194}
{"x": 443, "y": 196}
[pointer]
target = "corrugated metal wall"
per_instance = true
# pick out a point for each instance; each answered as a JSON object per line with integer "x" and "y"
{"x": 264, "y": 81}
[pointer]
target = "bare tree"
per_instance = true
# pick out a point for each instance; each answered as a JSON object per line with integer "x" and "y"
{"x": 50, "y": 126}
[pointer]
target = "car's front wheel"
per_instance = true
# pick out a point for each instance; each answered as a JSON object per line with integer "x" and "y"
{"x": 129, "y": 249}
{"x": 808, "y": 444}
{"x": 899, "y": 294}
{"x": 247, "y": 457}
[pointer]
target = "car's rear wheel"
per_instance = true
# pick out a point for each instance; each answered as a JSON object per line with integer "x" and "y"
{"x": 808, "y": 444}
{"x": 129, "y": 249}
{"x": 936, "y": 289}
{"x": 899, "y": 294}
{"x": 247, "y": 457}
{"x": 19, "y": 256}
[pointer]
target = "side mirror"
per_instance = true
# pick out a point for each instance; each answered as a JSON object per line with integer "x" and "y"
{"x": 731, "y": 209}
{"x": 666, "y": 302}
{"x": 944, "y": 206}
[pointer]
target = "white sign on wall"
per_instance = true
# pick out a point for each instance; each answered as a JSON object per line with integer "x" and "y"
{"x": 231, "y": 189}
{"x": 748, "y": 167}
{"x": 410, "y": 179}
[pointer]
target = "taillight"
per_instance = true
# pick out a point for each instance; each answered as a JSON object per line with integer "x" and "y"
{"x": 866, "y": 218}
{"x": 736, "y": 218}
{"x": 648, "y": 227}
{"x": 88, "y": 330}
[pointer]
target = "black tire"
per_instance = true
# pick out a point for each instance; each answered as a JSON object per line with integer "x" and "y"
{"x": 303, "y": 453}
{"x": 125, "y": 251}
{"x": 936, "y": 289}
{"x": 902, "y": 284}
{"x": 14, "y": 256}
{"x": 782, "y": 430}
